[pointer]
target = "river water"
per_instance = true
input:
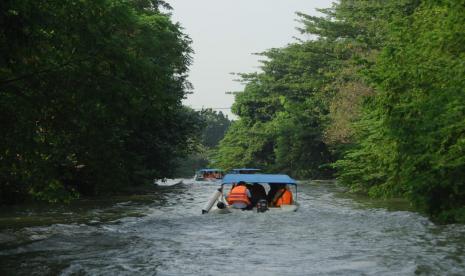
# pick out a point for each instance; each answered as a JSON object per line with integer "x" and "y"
{"x": 165, "y": 234}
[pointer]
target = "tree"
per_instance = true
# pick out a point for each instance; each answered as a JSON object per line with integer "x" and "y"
{"x": 214, "y": 126}
{"x": 281, "y": 111}
{"x": 415, "y": 124}
{"x": 90, "y": 97}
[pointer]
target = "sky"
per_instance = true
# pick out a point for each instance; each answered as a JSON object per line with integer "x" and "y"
{"x": 226, "y": 33}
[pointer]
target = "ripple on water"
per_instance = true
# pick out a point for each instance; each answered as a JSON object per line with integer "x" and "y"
{"x": 329, "y": 235}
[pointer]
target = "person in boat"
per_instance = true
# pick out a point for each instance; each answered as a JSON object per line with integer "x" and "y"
{"x": 258, "y": 192}
{"x": 240, "y": 196}
{"x": 281, "y": 196}
{"x": 274, "y": 188}
{"x": 210, "y": 175}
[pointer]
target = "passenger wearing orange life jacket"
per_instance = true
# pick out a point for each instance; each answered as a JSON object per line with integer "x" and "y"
{"x": 282, "y": 197}
{"x": 239, "y": 197}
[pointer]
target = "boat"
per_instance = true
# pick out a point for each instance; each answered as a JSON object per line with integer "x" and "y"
{"x": 269, "y": 180}
{"x": 208, "y": 175}
{"x": 244, "y": 171}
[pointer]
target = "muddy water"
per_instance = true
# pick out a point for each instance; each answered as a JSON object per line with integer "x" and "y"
{"x": 165, "y": 234}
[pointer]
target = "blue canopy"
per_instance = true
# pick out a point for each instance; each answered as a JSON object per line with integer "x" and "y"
{"x": 210, "y": 170}
{"x": 244, "y": 170}
{"x": 258, "y": 178}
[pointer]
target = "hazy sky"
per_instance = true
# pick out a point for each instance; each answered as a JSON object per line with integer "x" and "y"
{"x": 225, "y": 33}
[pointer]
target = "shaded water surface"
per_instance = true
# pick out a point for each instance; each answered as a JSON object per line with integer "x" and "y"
{"x": 165, "y": 234}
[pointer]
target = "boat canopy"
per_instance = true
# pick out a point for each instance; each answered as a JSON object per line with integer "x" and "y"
{"x": 236, "y": 171}
{"x": 210, "y": 170}
{"x": 258, "y": 178}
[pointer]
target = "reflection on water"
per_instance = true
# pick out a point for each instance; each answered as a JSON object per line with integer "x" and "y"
{"x": 165, "y": 234}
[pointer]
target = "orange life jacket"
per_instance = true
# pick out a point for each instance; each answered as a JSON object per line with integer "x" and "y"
{"x": 284, "y": 199}
{"x": 238, "y": 194}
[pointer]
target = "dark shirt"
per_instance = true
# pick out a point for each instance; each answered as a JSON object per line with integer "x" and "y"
{"x": 258, "y": 192}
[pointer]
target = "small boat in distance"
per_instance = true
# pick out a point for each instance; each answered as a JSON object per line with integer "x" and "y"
{"x": 244, "y": 171}
{"x": 208, "y": 175}
{"x": 270, "y": 182}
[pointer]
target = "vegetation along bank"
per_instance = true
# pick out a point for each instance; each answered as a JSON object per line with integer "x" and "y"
{"x": 90, "y": 97}
{"x": 376, "y": 99}
{"x": 90, "y": 101}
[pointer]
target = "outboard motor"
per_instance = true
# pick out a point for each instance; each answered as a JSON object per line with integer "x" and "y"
{"x": 221, "y": 205}
{"x": 262, "y": 206}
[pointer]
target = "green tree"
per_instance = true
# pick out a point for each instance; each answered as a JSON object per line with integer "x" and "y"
{"x": 281, "y": 111}
{"x": 214, "y": 126}
{"x": 415, "y": 124}
{"x": 90, "y": 97}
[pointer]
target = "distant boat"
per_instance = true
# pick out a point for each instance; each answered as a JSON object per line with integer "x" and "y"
{"x": 209, "y": 175}
{"x": 274, "y": 181}
{"x": 244, "y": 171}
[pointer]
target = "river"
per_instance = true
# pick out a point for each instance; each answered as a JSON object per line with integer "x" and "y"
{"x": 165, "y": 234}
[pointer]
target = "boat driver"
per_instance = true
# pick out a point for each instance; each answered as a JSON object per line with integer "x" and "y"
{"x": 281, "y": 196}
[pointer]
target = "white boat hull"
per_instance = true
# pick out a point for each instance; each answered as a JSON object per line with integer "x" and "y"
{"x": 282, "y": 209}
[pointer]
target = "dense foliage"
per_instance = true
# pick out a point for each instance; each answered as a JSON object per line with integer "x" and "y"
{"x": 412, "y": 134}
{"x": 90, "y": 97}
{"x": 379, "y": 88}
{"x": 214, "y": 126}
{"x": 280, "y": 110}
